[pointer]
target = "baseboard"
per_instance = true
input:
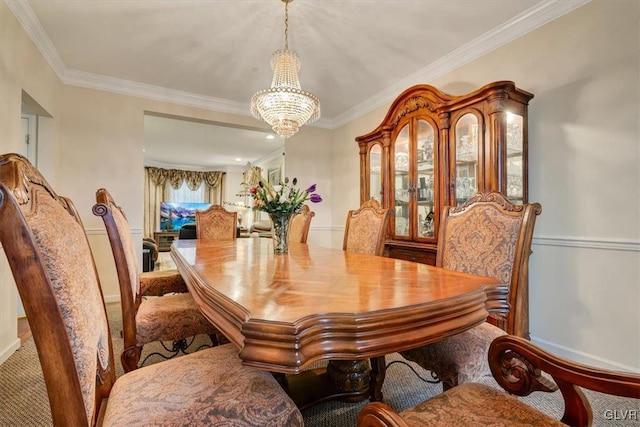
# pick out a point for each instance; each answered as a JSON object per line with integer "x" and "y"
{"x": 9, "y": 350}
{"x": 582, "y": 357}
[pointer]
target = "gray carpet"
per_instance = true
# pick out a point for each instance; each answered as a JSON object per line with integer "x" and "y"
{"x": 23, "y": 397}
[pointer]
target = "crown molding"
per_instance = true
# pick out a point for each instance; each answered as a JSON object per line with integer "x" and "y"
{"x": 527, "y": 21}
{"x": 157, "y": 93}
{"x": 269, "y": 157}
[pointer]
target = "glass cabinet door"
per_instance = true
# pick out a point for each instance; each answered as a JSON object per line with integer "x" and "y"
{"x": 466, "y": 169}
{"x": 515, "y": 142}
{"x": 402, "y": 195}
{"x": 425, "y": 195}
{"x": 375, "y": 172}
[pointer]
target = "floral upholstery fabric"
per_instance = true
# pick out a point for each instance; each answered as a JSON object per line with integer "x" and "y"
{"x": 216, "y": 224}
{"x": 67, "y": 257}
{"x": 205, "y": 388}
{"x": 476, "y": 405}
{"x": 160, "y": 282}
{"x": 170, "y": 318}
{"x": 364, "y": 232}
{"x": 482, "y": 241}
{"x": 462, "y": 357}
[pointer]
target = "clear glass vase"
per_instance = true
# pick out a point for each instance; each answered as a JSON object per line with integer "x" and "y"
{"x": 280, "y": 232}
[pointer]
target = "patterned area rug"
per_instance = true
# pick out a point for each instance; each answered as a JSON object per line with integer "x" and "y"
{"x": 24, "y": 402}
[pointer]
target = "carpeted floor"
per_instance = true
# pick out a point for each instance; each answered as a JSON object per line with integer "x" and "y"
{"x": 23, "y": 397}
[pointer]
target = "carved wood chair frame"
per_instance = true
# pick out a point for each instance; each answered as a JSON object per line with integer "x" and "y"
{"x": 216, "y": 214}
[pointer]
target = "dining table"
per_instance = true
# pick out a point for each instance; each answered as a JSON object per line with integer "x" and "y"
{"x": 322, "y": 319}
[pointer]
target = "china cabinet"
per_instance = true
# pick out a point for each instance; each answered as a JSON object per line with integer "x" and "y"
{"x": 434, "y": 149}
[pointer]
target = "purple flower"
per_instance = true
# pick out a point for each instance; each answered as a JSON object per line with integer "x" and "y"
{"x": 315, "y": 198}
{"x": 311, "y": 189}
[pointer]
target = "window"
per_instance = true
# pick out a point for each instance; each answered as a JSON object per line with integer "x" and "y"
{"x": 185, "y": 194}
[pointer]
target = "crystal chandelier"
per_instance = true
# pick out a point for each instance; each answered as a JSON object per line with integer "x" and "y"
{"x": 285, "y": 106}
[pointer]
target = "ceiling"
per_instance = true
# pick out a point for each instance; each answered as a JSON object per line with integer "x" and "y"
{"x": 355, "y": 55}
{"x": 189, "y": 144}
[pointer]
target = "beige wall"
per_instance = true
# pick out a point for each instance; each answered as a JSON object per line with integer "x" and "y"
{"x": 584, "y": 154}
{"x": 584, "y": 147}
{"x": 308, "y": 158}
{"x": 21, "y": 68}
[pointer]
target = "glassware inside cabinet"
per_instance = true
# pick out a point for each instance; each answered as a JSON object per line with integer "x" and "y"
{"x": 466, "y": 134}
{"x": 402, "y": 187}
{"x": 515, "y": 142}
{"x": 425, "y": 195}
{"x": 375, "y": 172}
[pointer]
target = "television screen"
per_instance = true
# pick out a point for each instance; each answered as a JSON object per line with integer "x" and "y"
{"x": 173, "y": 215}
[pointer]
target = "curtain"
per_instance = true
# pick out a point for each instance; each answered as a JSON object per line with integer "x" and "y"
{"x": 160, "y": 184}
{"x": 215, "y": 187}
{"x": 154, "y": 180}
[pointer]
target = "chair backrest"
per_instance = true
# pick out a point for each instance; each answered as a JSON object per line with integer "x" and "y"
{"x": 55, "y": 274}
{"x": 366, "y": 229}
{"x": 299, "y": 226}
{"x": 188, "y": 231}
{"x": 216, "y": 223}
{"x": 125, "y": 257}
{"x": 490, "y": 236}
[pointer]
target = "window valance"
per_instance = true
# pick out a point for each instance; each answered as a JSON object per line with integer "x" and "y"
{"x": 176, "y": 177}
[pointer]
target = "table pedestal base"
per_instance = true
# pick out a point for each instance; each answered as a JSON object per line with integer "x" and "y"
{"x": 346, "y": 380}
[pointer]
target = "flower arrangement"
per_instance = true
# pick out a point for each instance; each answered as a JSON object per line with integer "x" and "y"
{"x": 282, "y": 200}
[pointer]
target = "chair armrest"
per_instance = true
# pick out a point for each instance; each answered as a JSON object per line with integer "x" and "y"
{"x": 152, "y": 246}
{"x": 516, "y": 364}
{"x": 378, "y": 414}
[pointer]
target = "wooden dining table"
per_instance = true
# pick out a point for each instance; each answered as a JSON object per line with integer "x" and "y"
{"x": 286, "y": 313}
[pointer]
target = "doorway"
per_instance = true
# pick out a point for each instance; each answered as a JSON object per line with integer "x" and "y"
{"x": 32, "y": 118}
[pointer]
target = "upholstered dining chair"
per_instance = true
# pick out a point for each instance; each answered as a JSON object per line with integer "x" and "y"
{"x": 172, "y": 317}
{"x": 153, "y": 282}
{"x": 366, "y": 229}
{"x": 51, "y": 261}
{"x": 300, "y": 223}
{"x": 365, "y": 232}
{"x": 216, "y": 223}
{"x": 487, "y": 236}
{"x": 517, "y": 365}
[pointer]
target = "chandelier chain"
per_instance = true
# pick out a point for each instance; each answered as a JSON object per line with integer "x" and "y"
{"x": 286, "y": 25}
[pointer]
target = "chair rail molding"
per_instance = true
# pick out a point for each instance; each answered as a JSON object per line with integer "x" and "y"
{"x": 611, "y": 244}
{"x": 101, "y": 231}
